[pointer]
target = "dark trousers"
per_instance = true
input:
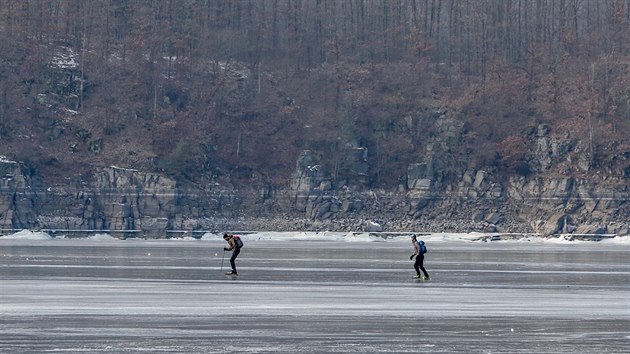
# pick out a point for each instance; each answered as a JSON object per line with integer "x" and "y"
{"x": 418, "y": 265}
{"x": 235, "y": 253}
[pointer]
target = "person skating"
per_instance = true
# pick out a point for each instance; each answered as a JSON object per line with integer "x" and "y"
{"x": 419, "y": 251}
{"x": 234, "y": 245}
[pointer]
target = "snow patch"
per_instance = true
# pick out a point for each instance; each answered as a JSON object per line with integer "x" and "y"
{"x": 28, "y": 235}
{"x": 621, "y": 240}
{"x": 122, "y": 168}
{"x": 184, "y": 238}
{"x": 362, "y": 237}
{"x": 209, "y": 236}
{"x": 4, "y": 159}
{"x": 66, "y": 58}
{"x": 103, "y": 237}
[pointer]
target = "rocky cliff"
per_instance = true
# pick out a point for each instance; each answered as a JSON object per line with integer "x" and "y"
{"x": 130, "y": 203}
{"x": 321, "y": 132}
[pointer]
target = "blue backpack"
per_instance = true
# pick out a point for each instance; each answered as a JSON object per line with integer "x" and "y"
{"x": 423, "y": 247}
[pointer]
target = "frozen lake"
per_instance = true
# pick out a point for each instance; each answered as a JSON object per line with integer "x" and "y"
{"x": 332, "y": 294}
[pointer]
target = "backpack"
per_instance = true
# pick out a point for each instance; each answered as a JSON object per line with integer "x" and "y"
{"x": 423, "y": 247}
{"x": 239, "y": 242}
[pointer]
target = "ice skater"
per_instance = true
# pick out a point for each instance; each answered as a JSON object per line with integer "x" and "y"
{"x": 419, "y": 250}
{"x": 234, "y": 245}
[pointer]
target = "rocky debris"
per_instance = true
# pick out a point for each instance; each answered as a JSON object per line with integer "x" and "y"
{"x": 135, "y": 203}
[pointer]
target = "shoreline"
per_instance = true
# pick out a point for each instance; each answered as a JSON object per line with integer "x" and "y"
{"x": 26, "y": 234}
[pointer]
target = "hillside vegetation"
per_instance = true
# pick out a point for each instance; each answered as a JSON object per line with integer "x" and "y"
{"x": 208, "y": 91}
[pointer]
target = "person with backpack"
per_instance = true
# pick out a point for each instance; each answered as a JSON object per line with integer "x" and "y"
{"x": 419, "y": 250}
{"x": 234, "y": 244}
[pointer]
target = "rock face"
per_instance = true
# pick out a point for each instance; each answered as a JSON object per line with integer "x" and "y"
{"x": 565, "y": 205}
{"x": 16, "y": 196}
{"x": 122, "y": 201}
{"x": 131, "y": 200}
{"x": 130, "y": 203}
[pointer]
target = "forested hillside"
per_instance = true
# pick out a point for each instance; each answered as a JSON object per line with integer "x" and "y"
{"x": 234, "y": 90}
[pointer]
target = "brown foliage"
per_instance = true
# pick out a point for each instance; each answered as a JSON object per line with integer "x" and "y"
{"x": 238, "y": 88}
{"x": 512, "y": 155}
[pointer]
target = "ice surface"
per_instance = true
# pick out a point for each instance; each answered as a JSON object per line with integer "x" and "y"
{"x": 303, "y": 293}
